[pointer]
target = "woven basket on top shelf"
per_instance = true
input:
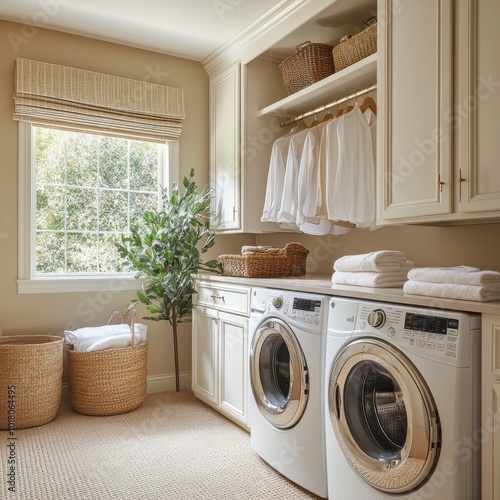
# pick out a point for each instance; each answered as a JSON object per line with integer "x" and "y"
{"x": 31, "y": 368}
{"x": 289, "y": 261}
{"x": 352, "y": 49}
{"x": 309, "y": 64}
{"x": 110, "y": 381}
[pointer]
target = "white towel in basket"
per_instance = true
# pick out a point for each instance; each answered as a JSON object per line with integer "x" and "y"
{"x": 82, "y": 338}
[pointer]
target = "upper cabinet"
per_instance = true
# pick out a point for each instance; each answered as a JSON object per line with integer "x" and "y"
{"x": 248, "y": 100}
{"x": 437, "y": 77}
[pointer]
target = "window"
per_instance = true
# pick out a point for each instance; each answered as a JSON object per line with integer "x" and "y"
{"x": 83, "y": 191}
{"x": 93, "y": 149}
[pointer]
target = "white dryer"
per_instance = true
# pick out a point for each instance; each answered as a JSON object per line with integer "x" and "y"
{"x": 402, "y": 402}
{"x": 286, "y": 405}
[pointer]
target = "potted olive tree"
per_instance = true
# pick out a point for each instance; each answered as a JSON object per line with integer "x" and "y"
{"x": 165, "y": 248}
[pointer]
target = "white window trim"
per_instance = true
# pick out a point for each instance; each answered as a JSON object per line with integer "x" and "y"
{"x": 27, "y": 283}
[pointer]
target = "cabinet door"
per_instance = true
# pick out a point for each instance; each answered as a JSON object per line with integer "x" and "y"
{"x": 204, "y": 351}
{"x": 477, "y": 111}
{"x": 233, "y": 365}
{"x": 225, "y": 148}
{"x": 415, "y": 96}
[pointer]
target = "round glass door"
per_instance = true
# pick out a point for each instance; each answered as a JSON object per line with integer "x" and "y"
{"x": 278, "y": 374}
{"x": 384, "y": 416}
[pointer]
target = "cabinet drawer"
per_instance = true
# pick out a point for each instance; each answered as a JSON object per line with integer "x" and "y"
{"x": 223, "y": 298}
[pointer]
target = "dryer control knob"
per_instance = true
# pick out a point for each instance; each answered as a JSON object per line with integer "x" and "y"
{"x": 278, "y": 302}
{"x": 376, "y": 318}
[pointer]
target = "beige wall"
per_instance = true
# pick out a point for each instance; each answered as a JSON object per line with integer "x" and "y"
{"x": 51, "y": 313}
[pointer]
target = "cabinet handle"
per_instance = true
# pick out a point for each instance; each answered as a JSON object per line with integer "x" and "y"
{"x": 440, "y": 184}
{"x": 220, "y": 297}
{"x": 460, "y": 180}
{"x": 213, "y": 318}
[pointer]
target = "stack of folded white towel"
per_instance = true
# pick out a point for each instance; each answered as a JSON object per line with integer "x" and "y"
{"x": 105, "y": 337}
{"x": 381, "y": 269}
{"x": 459, "y": 282}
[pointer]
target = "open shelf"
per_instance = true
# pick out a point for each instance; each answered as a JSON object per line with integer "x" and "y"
{"x": 355, "y": 77}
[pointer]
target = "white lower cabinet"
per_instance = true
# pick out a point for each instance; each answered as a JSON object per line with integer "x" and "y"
{"x": 220, "y": 352}
{"x": 490, "y": 426}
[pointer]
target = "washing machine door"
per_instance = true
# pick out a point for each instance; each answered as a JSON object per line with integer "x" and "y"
{"x": 278, "y": 374}
{"x": 383, "y": 415}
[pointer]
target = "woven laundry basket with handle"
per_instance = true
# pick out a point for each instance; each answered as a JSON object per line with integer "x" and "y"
{"x": 110, "y": 381}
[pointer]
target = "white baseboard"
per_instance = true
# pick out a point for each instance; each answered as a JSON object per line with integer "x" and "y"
{"x": 157, "y": 383}
{"x": 164, "y": 383}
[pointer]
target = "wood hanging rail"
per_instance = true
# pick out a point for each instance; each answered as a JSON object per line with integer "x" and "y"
{"x": 324, "y": 107}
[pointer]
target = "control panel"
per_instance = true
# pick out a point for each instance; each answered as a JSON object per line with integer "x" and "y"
{"x": 304, "y": 310}
{"x": 430, "y": 332}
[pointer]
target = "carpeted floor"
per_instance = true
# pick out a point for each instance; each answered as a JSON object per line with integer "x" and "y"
{"x": 172, "y": 447}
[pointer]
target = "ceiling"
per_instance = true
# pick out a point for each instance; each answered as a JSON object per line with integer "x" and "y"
{"x": 192, "y": 29}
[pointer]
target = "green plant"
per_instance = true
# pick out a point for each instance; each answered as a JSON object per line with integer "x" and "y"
{"x": 166, "y": 249}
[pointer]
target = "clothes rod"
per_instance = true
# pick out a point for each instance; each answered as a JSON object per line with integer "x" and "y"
{"x": 316, "y": 111}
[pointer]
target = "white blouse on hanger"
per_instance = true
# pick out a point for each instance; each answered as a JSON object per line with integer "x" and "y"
{"x": 276, "y": 179}
{"x": 353, "y": 197}
{"x": 287, "y": 214}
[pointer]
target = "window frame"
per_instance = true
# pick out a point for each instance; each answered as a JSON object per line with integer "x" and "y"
{"x": 28, "y": 282}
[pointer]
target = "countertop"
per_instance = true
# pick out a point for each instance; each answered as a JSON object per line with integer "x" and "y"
{"x": 322, "y": 284}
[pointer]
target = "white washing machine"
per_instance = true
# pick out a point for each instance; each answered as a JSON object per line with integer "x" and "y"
{"x": 287, "y": 354}
{"x": 402, "y": 402}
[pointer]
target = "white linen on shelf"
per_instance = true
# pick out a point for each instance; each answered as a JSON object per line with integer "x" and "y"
{"x": 377, "y": 261}
{"x": 370, "y": 279}
{"x": 453, "y": 290}
{"x": 464, "y": 275}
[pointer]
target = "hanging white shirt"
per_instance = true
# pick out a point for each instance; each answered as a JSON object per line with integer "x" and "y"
{"x": 287, "y": 214}
{"x": 276, "y": 179}
{"x": 353, "y": 196}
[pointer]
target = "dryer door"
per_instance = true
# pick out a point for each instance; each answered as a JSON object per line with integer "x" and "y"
{"x": 383, "y": 415}
{"x": 278, "y": 374}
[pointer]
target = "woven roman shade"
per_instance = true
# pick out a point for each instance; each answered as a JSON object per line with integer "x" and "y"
{"x": 50, "y": 94}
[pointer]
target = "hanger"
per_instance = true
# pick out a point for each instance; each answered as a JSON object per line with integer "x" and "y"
{"x": 327, "y": 117}
{"x": 369, "y": 102}
{"x": 314, "y": 122}
{"x": 348, "y": 109}
{"x": 339, "y": 112}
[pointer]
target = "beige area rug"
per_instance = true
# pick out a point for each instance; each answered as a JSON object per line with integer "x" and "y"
{"x": 172, "y": 447}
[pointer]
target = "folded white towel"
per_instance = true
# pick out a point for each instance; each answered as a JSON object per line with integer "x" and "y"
{"x": 453, "y": 290}
{"x": 83, "y": 338}
{"x": 378, "y": 280}
{"x": 464, "y": 275}
{"x": 115, "y": 342}
{"x": 379, "y": 261}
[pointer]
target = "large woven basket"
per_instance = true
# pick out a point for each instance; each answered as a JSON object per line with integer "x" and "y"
{"x": 352, "y": 49}
{"x": 31, "y": 368}
{"x": 309, "y": 64}
{"x": 289, "y": 261}
{"x": 110, "y": 381}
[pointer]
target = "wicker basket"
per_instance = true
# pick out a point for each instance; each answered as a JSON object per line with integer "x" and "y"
{"x": 110, "y": 381}
{"x": 31, "y": 368}
{"x": 352, "y": 49}
{"x": 311, "y": 63}
{"x": 289, "y": 261}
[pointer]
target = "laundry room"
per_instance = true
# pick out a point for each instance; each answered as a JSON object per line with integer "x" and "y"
{"x": 329, "y": 324}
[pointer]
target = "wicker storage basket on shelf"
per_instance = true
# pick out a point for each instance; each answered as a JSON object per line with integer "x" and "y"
{"x": 31, "y": 368}
{"x": 352, "y": 49}
{"x": 110, "y": 381}
{"x": 309, "y": 64}
{"x": 289, "y": 261}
